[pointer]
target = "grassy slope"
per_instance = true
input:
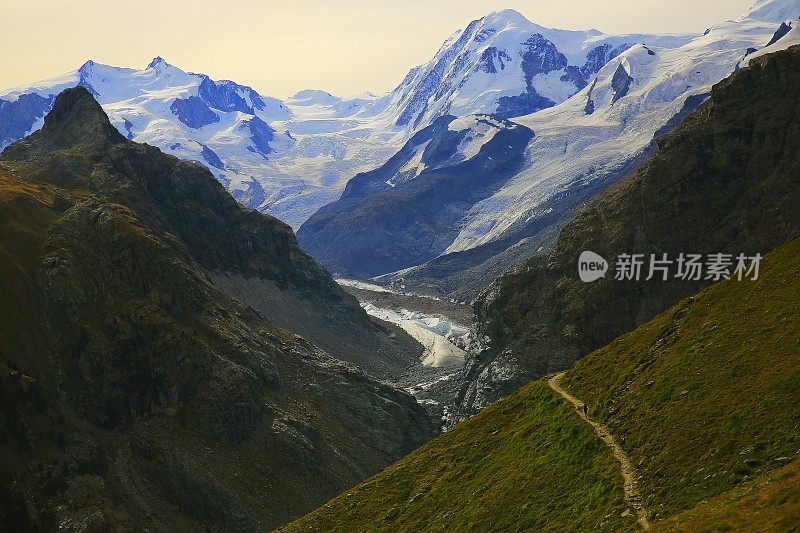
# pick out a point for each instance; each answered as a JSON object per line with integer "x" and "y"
{"x": 706, "y": 395}
{"x": 703, "y": 398}
{"x": 769, "y": 503}
{"x": 527, "y": 462}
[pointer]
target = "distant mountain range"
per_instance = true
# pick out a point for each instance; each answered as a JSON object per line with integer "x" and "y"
{"x": 576, "y": 149}
{"x": 289, "y": 158}
{"x": 593, "y": 102}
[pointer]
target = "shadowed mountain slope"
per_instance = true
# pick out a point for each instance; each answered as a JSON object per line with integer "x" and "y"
{"x": 726, "y": 181}
{"x": 702, "y": 399}
{"x": 136, "y": 393}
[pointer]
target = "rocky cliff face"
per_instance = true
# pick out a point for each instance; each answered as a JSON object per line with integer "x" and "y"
{"x": 137, "y": 394}
{"x": 726, "y": 181}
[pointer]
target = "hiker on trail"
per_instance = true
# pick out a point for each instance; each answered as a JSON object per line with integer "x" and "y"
{"x": 585, "y": 409}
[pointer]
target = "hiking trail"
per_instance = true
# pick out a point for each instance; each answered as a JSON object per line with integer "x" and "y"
{"x": 629, "y": 475}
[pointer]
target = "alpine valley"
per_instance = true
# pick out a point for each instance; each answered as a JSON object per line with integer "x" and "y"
{"x": 224, "y": 311}
{"x": 587, "y": 108}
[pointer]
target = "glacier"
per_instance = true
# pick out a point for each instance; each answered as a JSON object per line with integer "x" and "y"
{"x": 289, "y": 158}
{"x": 595, "y": 103}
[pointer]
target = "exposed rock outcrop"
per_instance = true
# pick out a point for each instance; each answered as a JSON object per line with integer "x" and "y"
{"x": 726, "y": 181}
{"x": 140, "y": 394}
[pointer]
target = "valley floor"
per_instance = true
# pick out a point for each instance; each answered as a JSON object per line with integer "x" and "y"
{"x": 442, "y": 329}
{"x": 698, "y": 407}
{"x": 381, "y": 297}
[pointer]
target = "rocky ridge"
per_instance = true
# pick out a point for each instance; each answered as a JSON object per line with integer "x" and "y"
{"x": 140, "y": 394}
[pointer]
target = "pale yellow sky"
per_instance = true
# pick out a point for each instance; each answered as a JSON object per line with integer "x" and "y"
{"x": 282, "y": 46}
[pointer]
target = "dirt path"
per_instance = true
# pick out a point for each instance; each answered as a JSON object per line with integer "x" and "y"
{"x": 629, "y": 475}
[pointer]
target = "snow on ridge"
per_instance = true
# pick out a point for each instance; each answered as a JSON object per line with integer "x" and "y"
{"x": 775, "y": 11}
{"x": 592, "y": 135}
{"x": 413, "y": 167}
{"x": 792, "y": 38}
{"x": 320, "y": 141}
{"x": 480, "y": 130}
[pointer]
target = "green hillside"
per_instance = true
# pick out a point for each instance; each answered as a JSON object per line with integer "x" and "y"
{"x": 702, "y": 398}
{"x": 524, "y": 463}
{"x": 706, "y": 395}
{"x": 769, "y": 503}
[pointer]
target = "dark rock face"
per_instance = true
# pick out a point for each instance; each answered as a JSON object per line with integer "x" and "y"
{"x": 18, "y": 117}
{"x": 223, "y": 96}
{"x": 128, "y": 129}
{"x": 391, "y": 218}
{"x": 140, "y": 393}
{"x": 442, "y": 148}
{"x": 620, "y": 83}
{"x": 211, "y": 157}
{"x": 193, "y": 112}
{"x": 590, "y": 106}
{"x": 573, "y": 75}
{"x": 540, "y": 57}
{"x": 494, "y": 60}
{"x": 523, "y": 104}
{"x": 226, "y": 95}
{"x": 780, "y": 33}
{"x": 261, "y": 134}
{"x": 726, "y": 181}
{"x": 599, "y": 56}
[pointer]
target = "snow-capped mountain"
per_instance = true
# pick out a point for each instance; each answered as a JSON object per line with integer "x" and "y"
{"x": 406, "y": 212}
{"x": 596, "y": 132}
{"x": 290, "y": 158}
{"x": 580, "y": 146}
{"x": 284, "y": 158}
{"x": 773, "y": 11}
{"x": 505, "y": 65}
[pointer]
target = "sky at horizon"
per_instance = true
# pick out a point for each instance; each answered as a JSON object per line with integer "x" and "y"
{"x": 280, "y": 47}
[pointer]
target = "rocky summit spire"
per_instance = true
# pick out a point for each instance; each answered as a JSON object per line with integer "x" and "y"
{"x": 157, "y": 61}
{"x": 76, "y": 112}
{"x": 75, "y": 121}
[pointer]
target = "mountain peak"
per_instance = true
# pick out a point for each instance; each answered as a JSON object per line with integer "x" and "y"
{"x": 158, "y": 61}
{"x": 87, "y": 66}
{"x": 506, "y": 17}
{"x": 315, "y": 96}
{"x": 76, "y": 120}
{"x": 75, "y": 107}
